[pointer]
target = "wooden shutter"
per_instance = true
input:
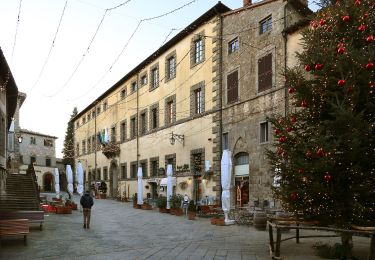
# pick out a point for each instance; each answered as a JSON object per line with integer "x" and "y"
{"x": 265, "y": 73}
{"x": 232, "y": 87}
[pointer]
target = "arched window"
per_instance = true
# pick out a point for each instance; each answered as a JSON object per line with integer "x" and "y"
{"x": 241, "y": 164}
{"x": 241, "y": 159}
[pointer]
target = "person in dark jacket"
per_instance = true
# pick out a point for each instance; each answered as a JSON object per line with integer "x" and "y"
{"x": 86, "y": 202}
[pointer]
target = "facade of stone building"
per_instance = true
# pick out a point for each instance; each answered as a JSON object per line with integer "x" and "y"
{"x": 39, "y": 149}
{"x": 255, "y": 53}
{"x": 160, "y": 113}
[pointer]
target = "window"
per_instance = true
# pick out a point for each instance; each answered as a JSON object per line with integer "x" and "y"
{"x": 232, "y": 87}
{"x": 77, "y": 149}
{"x": 134, "y": 86}
{"x": 241, "y": 159}
{"x": 144, "y": 80}
{"x": 93, "y": 113}
{"x": 233, "y": 46}
{"x": 198, "y": 99}
{"x": 98, "y": 110}
{"x": 93, "y": 146}
{"x": 83, "y": 120}
{"x": 154, "y": 168}
{"x": 133, "y": 127}
{"x": 105, "y": 173}
{"x": 48, "y": 143}
{"x": 123, "y": 171}
{"x": 264, "y": 132}
{"x": 98, "y": 174}
{"x": 113, "y": 134}
{"x": 171, "y": 67}
{"x": 48, "y": 162}
{"x": 133, "y": 170}
{"x": 143, "y": 123}
{"x": 123, "y": 93}
{"x": 32, "y": 159}
{"x": 123, "y": 131}
{"x": 154, "y": 78}
{"x": 32, "y": 140}
{"x": 83, "y": 147}
{"x": 105, "y": 106}
{"x": 154, "y": 118}
{"x": 144, "y": 168}
{"x": 198, "y": 50}
{"x": 265, "y": 73}
{"x": 225, "y": 141}
{"x": 88, "y": 145}
{"x": 169, "y": 112}
{"x": 88, "y": 117}
{"x": 265, "y": 25}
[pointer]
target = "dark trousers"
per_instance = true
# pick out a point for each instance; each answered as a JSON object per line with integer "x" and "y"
{"x": 86, "y": 216}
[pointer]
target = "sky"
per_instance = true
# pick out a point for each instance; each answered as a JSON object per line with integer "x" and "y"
{"x": 66, "y": 53}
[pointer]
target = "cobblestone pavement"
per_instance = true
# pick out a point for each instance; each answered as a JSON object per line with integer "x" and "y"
{"x": 118, "y": 231}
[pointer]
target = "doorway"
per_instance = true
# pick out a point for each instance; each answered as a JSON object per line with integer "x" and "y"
{"x": 48, "y": 182}
{"x": 113, "y": 181}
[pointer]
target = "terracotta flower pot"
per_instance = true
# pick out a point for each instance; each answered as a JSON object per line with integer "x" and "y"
{"x": 179, "y": 212}
{"x": 191, "y": 215}
{"x": 63, "y": 210}
{"x": 220, "y": 222}
{"x": 213, "y": 221}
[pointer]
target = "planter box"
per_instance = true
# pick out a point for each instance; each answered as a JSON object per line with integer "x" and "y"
{"x": 191, "y": 215}
{"x": 163, "y": 210}
{"x": 179, "y": 212}
{"x": 146, "y": 207}
{"x": 220, "y": 222}
{"x": 72, "y": 206}
{"x": 63, "y": 210}
{"x": 213, "y": 221}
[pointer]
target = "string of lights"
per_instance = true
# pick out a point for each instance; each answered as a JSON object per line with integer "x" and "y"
{"x": 16, "y": 33}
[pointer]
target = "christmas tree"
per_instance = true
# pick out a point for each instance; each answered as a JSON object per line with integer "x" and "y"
{"x": 324, "y": 149}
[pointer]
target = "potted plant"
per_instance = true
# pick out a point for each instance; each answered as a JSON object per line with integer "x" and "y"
{"x": 161, "y": 203}
{"x": 103, "y": 190}
{"x": 176, "y": 205}
{"x": 134, "y": 199}
{"x": 146, "y": 205}
{"x": 191, "y": 210}
{"x": 71, "y": 204}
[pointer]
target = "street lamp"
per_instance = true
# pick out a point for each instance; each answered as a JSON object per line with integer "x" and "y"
{"x": 180, "y": 138}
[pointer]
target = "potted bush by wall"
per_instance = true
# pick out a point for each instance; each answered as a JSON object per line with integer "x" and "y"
{"x": 71, "y": 204}
{"x": 176, "y": 205}
{"x": 161, "y": 203}
{"x": 146, "y": 205}
{"x": 192, "y": 210}
{"x": 103, "y": 190}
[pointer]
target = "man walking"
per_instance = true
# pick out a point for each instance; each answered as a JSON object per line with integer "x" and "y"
{"x": 86, "y": 203}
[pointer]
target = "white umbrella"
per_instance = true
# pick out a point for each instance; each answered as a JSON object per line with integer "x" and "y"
{"x": 80, "y": 179}
{"x": 69, "y": 176}
{"x": 226, "y": 177}
{"x": 57, "y": 183}
{"x": 169, "y": 184}
{"x": 139, "y": 191}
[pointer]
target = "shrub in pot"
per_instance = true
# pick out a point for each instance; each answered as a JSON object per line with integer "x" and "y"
{"x": 192, "y": 210}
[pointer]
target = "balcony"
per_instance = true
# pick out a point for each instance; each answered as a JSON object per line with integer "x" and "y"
{"x": 111, "y": 150}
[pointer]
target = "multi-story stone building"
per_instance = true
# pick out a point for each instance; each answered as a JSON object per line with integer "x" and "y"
{"x": 39, "y": 149}
{"x": 160, "y": 113}
{"x": 256, "y": 47}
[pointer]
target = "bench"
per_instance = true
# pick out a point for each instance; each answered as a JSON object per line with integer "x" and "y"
{"x": 33, "y": 216}
{"x": 13, "y": 227}
{"x": 275, "y": 247}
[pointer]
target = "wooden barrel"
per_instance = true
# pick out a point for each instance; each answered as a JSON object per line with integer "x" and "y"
{"x": 260, "y": 220}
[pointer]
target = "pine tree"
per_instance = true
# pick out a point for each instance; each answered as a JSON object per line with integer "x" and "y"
{"x": 324, "y": 150}
{"x": 68, "y": 150}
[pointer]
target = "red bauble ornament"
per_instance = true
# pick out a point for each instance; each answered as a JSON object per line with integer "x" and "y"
{"x": 304, "y": 103}
{"x": 307, "y": 67}
{"x": 291, "y": 90}
{"x": 369, "y": 38}
{"x": 301, "y": 170}
{"x": 282, "y": 139}
{"x": 308, "y": 153}
{"x": 362, "y": 27}
{"x": 346, "y": 18}
{"x": 341, "y": 82}
{"x": 293, "y": 119}
{"x": 322, "y": 22}
{"x": 289, "y": 129}
{"x": 341, "y": 50}
{"x": 328, "y": 176}
{"x": 357, "y": 2}
{"x": 293, "y": 196}
{"x": 320, "y": 152}
{"x": 369, "y": 65}
{"x": 318, "y": 66}
{"x": 277, "y": 131}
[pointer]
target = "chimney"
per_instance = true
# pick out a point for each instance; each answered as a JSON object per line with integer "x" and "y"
{"x": 246, "y": 2}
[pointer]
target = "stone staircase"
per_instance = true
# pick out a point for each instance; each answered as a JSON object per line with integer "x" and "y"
{"x": 21, "y": 193}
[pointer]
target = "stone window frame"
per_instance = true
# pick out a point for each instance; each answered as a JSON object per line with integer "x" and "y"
{"x": 260, "y": 54}
{"x": 144, "y": 161}
{"x": 268, "y": 22}
{"x": 122, "y": 175}
{"x": 133, "y": 132}
{"x": 133, "y": 83}
{"x": 154, "y": 159}
{"x": 141, "y": 77}
{"x": 168, "y": 100}
{"x": 105, "y": 173}
{"x": 151, "y": 117}
{"x": 170, "y": 156}
{"x": 173, "y": 54}
{"x": 229, "y": 50}
{"x": 151, "y": 77}
{"x": 131, "y": 167}
{"x": 113, "y": 130}
{"x": 203, "y": 158}
{"x": 192, "y": 49}
{"x": 267, "y": 133}
{"x": 123, "y": 93}
{"x": 123, "y": 134}
{"x": 200, "y": 85}
{"x": 143, "y": 112}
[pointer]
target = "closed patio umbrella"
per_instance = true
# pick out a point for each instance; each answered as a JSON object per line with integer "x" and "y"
{"x": 57, "y": 182}
{"x": 140, "y": 187}
{"x": 226, "y": 177}
{"x": 69, "y": 176}
{"x": 169, "y": 184}
{"x": 80, "y": 179}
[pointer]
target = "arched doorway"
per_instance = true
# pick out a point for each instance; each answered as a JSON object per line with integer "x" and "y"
{"x": 113, "y": 179}
{"x": 48, "y": 182}
{"x": 241, "y": 178}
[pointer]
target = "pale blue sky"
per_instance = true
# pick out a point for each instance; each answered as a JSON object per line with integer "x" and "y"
{"x": 52, "y": 96}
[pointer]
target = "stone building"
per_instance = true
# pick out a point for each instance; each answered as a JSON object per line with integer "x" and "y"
{"x": 159, "y": 113}
{"x": 39, "y": 149}
{"x": 256, "y": 46}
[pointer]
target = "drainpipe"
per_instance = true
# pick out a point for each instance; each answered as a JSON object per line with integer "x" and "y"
{"x": 285, "y": 36}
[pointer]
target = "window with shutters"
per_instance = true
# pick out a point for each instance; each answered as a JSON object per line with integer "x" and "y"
{"x": 123, "y": 93}
{"x": 170, "y": 112}
{"x": 133, "y": 127}
{"x": 113, "y": 134}
{"x": 143, "y": 123}
{"x": 232, "y": 87}
{"x": 154, "y": 118}
{"x": 123, "y": 131}
{"x": 198, "y": 98}
{"x": 265, "y": 73}
{"x": 233, "y": 46}
{"x": 265, "y": 25}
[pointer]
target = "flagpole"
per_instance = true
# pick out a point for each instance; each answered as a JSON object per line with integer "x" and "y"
{"x": 96, "y": 144}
